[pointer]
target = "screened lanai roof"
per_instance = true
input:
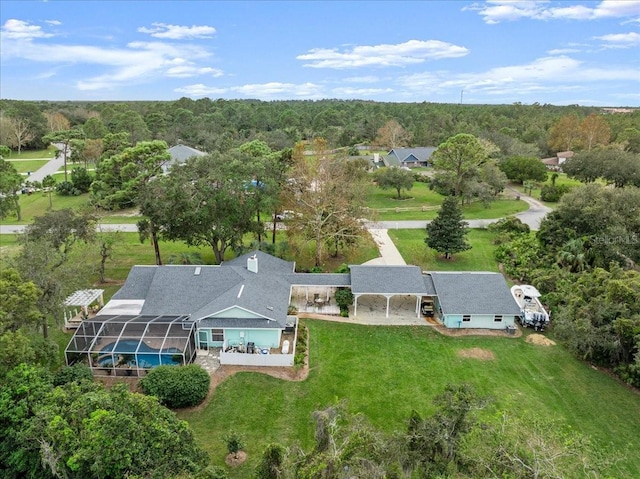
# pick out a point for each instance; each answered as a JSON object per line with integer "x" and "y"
{"x": 149, "y": 338}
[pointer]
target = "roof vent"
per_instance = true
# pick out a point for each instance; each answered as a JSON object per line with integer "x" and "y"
{"x": 252, "y": 263}
{"x": 197, "y": 271}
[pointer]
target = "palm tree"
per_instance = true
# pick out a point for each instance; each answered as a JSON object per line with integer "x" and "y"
{"x": 573, "y": 256}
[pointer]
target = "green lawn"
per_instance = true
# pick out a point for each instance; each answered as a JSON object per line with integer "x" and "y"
{"x": 421, "y": 196}
{"x": 37, "y": 204}
{"x": 562, "y": 179}
{"x": 410, "y": 243}
{"x": 32, "y": 154}
{"x": 386, "y": 372}
{"x": 24, "y": 166}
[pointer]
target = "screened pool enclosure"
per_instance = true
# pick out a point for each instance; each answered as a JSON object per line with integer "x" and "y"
{"x": 126, "y": 345}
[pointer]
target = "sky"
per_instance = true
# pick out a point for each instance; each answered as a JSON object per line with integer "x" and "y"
{"x": 495, "y": 52}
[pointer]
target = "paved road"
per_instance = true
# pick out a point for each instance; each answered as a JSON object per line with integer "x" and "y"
{"x": 49, "y": 168}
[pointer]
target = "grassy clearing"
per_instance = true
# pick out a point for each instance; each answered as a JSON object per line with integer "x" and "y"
{"x": 410, "y": 243}
{"x": 421, "y": 196}
{"x": 386, "y": 372}
{"x": 24, "y": 166}
{"x": 37, "y": 204}
{"x": 562, "y": 179}
{"x": 33, "y": 154}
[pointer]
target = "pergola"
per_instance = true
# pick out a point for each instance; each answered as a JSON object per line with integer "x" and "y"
{"x": 83, "y": 299}
{"x": 389, "y": 281}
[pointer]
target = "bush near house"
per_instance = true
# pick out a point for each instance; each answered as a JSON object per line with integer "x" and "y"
{"x": 177, "y": 386}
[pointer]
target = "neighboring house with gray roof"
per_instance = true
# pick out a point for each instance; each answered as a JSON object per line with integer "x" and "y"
{"x": 179, "y": 155}
{"x": 409, "y": 157}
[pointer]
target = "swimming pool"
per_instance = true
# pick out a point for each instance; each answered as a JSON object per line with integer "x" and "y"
{"x": 146, "y": 357}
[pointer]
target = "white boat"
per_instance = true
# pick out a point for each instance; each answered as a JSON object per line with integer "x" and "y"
{"x": 532, "y": 314}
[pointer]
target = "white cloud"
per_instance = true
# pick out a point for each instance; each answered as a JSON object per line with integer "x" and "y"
{"x": 20, "y": 30}
{"x": 259, "y": 90}
{"x": 200, "y": 89}
{"x": 53, "y": 22}
{"x": 178, "y": 32}
{"x": 362, "y": 79}
{"x": 496, "y": 11}
{"x": 548, "y": 73}
{"x": 562, "y": 51}
{"x": 137, "y": 62}
{"x": 620, "y": 40}
{"x": 185, "y": 71}
{"x": 401, "y": 54}
{"x": 360, "y": 92}
{"x": 271, "y": 89}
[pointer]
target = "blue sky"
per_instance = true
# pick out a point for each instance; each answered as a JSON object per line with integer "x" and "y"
{"x": 558, "y": 52}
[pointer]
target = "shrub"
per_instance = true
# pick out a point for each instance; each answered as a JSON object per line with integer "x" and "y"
{"x": 271, "y": 462}
{"x": 553, "y": 193}
{"x": 66, "y": 188}
{"x": 81, "y": 179}
{"x": 77, "y": 372}
{"x": 177, "y": 386}
{"x": 344, "y": 298}
{"x": 234, "y": 442}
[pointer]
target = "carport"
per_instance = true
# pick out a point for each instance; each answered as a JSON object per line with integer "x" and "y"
{"x": 389, "y": 281}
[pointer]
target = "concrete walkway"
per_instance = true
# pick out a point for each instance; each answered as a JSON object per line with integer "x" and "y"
{"x": 389, "y": 254}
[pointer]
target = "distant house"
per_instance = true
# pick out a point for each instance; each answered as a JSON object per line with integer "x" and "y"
{"x": 409, "y": 157}
{"x": 179, "y": 155}
{"x": 555, "y": 162}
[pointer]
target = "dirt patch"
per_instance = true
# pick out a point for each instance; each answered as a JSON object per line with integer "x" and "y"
{"x": 233, "y": 460}
{"x": 540, "y": 340}
{"x": 476, "y": 353}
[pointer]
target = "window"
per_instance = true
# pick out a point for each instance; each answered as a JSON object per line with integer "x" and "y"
{"x": 466, "y": 318}
{"x": 497, "y": 318}
{"x": 217, "y": 335}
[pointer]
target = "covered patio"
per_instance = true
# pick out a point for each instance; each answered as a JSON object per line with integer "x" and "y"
{"x": 398, "y": 285}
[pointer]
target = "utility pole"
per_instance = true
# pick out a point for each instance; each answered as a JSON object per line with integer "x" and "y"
{"x": 461, "y": 93}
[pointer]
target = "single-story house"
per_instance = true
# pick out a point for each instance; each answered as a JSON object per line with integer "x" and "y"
{"x": 179, "y": 155}
{"x": 408, "y": 157}
{"x": 243, "y": 306}
{"x": 555, "y": 162}
{"x": 474, "y": 300}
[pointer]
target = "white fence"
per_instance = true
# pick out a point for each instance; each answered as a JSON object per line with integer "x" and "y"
{"x": 243, "y": 359}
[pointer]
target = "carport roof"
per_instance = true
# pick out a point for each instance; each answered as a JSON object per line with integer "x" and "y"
{"x": 386, "y": 279}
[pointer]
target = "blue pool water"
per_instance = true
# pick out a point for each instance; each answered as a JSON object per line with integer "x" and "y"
{"x": 147, "y": 357}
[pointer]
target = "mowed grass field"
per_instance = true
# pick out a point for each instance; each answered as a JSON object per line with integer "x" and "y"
{"x": 386, "y": 372}
{"x": 410, "y": 243}
{"x": 421, "y": 196}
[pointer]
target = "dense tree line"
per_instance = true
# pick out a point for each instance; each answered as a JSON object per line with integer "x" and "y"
{"x": 212, "y": 125}
{"x": 584, "y": 259}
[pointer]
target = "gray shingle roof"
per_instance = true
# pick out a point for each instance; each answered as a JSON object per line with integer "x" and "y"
{"x": 241, "y": 323}
{"x": 137, "y": 284}
{"x": 180, "y": 154}
{"x": 474, "y": 293}
{"x": 319, "y": 279}
{"x": 387, "y": 279}
{"x": 420, "y": 153}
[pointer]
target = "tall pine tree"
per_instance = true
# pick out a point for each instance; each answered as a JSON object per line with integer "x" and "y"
{"x": 446, "y": 234}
